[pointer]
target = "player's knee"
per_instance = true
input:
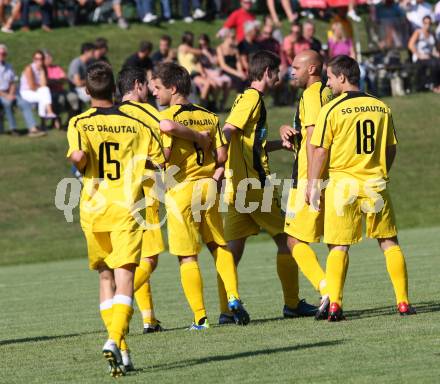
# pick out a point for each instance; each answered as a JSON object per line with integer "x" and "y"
{"x": 386, "y": 243}
{"x": 342, "y": 248}
{"x": 187, "y": 259}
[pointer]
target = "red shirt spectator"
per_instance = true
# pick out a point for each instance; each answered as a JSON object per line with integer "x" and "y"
{"x": 238, "y": 18}
{"x": 294, "y": 43}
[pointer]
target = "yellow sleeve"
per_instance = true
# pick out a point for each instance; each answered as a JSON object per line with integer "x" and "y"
{"x": 391, "y": 131}
{"x": 312, "y": 106}
{"x": 76, "y": 138}
{"x": 155, "y": 150}
{"x": 323, "y": 133}
{"x": 218, "y": 140}
{"x": 242, "y": 109}
{"x": 167, "y": 114}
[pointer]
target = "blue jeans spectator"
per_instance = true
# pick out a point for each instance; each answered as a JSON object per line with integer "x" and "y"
{"x": 26, "y": 110}
{"x": 186, "y": 10}
{"x": 46, "y": 12}
{"x": 147, "y": 6}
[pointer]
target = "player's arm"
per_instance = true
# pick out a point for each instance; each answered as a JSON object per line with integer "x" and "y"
{"x": 228, "y": 130}
{"x": 276, "y": 145}
{"x": 174, "y": 128}
{"x": 310, "y": 149}
{"x": 390, "y": 154}
{"x": 316, "y": 168}
{"x": 221, "y": 155}
{"x": 79, "y": 160}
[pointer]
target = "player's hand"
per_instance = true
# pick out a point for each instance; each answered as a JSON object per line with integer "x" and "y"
{"x": 204, "y": 140}
{"x": 287, "y": 133}
{"x": 287, "y": 145}
{"x": 313, "y": 195}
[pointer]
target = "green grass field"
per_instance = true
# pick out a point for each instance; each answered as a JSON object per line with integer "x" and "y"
{"x": 50, "y": 330}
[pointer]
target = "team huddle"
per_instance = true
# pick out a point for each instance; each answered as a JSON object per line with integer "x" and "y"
{"x": 214, "y": 183}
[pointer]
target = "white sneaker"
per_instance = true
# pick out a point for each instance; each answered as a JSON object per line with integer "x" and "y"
{"x": 188, "y": 19}
{"x": 126, "y": 360}
{"x": 354, "y": 16}
{"x": 149, "y": 17}
{"x": 113, "y": 356}
{"x": 7, "y": 30}
{"x": 198, "y": 14}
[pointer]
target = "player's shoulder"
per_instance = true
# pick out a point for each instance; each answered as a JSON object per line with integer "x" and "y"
{"x": 249, "y": 97}
{"x": 86, "y": 114}
{"x": 194, "y": 108}
{"x": 139, "y": 108}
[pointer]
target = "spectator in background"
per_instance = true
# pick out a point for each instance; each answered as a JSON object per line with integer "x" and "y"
{"x": 437, "y": 19}
{"x": 276, "y": 34}
{"x": 141, "y": 58}
{"x": 238, "y": 19}
{"x": 422, "y": 44}
{"x": 229, "y": 60}
{"x": 390, "y": 19}
{"x": 61, "y": 98}
{"x": 14, "y": 15}
{"x": 146, "y": 10}
{"x": 78, "y": 70}
{"x": 165, "y": 53}
{"x": 415, "y": 12}
{"x": 8, "y": 96}
{"x": 220, "y": 83}
{"x": 341, "y": 17}
{"x": 188, "y": 57}
{"x": 198, "y": 13}
{"x": 33, "y": 86}
{"x": 309, "y": 36}
{"x": 339, "y": 43}
{"x": 250, "y": 44}
{"x": 101, "y": 50}
{"x": 46, "y": 9}
{"x": 294, "y": 43}
{"x": 287, "y": 6}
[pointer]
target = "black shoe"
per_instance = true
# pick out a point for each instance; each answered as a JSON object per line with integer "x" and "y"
{"x": 149, "y": 328}
{"x": 303, "y": 309}
{"x": 322, "y": 312}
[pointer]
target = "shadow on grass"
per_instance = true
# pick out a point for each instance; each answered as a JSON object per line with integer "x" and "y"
{"x": 235, "y": 356}
{"x": 37, "y": 339}
{"x": 422, "y": 307}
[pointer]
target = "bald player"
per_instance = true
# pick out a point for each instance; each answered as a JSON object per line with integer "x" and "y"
{"x": 304, "y": 225}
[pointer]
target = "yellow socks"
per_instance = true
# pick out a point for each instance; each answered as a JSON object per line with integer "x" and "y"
{"x": 309, "y": 265}
{"x": 396, "y": 267}
{"x": 223, "y": 297}
{"x": 336, "y": 271}
{"x": 106, "y": 309}
{"x": 193, "y": 288}
{"x": 224, "y": 263}
{"x": 122, "y": 313}
{"x": 144, "y": 300}
{"x": 142, "y": 274}
{"x": 288, "y": 274}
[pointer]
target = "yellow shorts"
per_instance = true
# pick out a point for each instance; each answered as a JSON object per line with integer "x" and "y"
{"x": 187, "y": 224}
{"x": 302, "y": 221}
{"x": 343, "y": 217}
{"x": 152, "y": 239}
{"x": 114, "y": 249}
{"x": 239, "y": 224}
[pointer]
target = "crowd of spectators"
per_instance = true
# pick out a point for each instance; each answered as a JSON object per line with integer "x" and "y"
{"x": 47, "y": 89}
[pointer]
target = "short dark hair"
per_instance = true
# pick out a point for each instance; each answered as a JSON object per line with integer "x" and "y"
{"x": 346, "y": 66}
{"x": 261, "y": 61}
{"x": 145, "y": 46}
{"x": 188, "y": 38}
{"x": 101, "y": 42}
{"x": 86, "y": 47}
{"x": 174, "y": 75}
{"x": 127, "y": 78}
{"x": 166, "y": 38}
{"x": 100, "y": 82}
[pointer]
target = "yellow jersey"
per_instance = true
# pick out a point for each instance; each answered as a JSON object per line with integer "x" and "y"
{"x": 356, "y": 128}
{"x": 192, "y": 161}
{"x": 117, "y": 146}
{"x": 311, "y": 102}
{"x": 247, "y": 156}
